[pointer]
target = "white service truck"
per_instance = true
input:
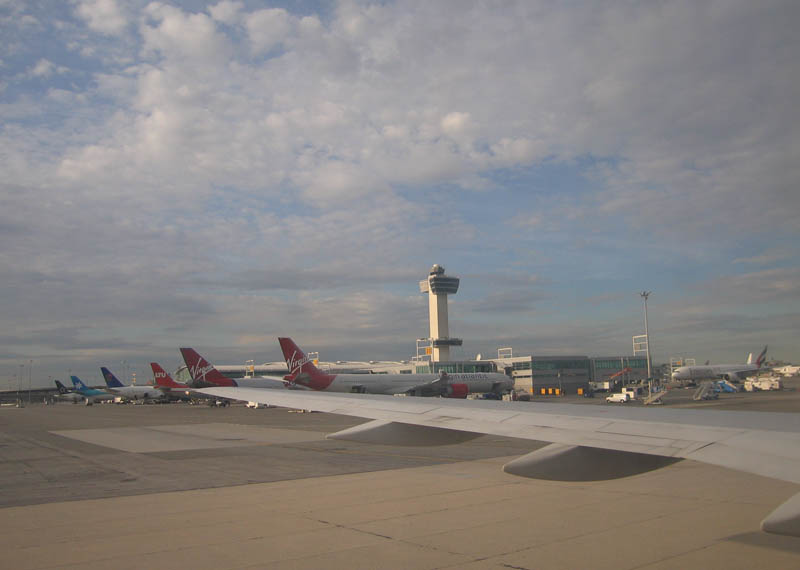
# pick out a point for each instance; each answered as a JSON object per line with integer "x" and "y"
{"x": 618, "y": 398}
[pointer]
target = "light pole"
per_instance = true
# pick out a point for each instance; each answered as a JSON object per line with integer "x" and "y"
{"x": 30, "y": 380}
{"x": 644, "y": 295}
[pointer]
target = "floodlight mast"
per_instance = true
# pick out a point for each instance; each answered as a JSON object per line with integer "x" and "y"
{"x": 644, "y": 295}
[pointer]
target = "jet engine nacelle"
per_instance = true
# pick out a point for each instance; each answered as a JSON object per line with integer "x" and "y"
{"x": 731, "y": 377}
{"x": 457, "y": 390}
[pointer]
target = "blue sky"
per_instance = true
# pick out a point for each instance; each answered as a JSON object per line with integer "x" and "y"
{"x": 216, "y": 174}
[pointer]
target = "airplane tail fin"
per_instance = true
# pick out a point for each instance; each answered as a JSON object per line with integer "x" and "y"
{"x": 201, "y": 371}
{"x": 301, "y": 368}
{"x": 162, "y": 378}
{"x": 78, "y": 383}
{"x": 61, "y": 388}
{"x": 762, "y": 358}
{"x": 111, "y": 380}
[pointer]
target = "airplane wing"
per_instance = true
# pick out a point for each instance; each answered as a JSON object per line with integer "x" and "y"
{"x": 596, "y": 442}
{"x": 436, "y": 386}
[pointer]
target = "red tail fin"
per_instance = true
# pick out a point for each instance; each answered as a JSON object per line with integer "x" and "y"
{"x": 201, "y": 371}
{"x": 301, "y": 369}
{"x": 162, "y": 378}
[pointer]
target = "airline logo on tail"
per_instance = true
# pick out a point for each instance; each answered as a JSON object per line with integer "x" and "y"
{"x": 163, "y": 379}
{"x": 202, "y": 371}
{"x": 111, "y": 380}
{"x": 296, "y": 361}
{"x": 301, "y": 368}
{"x": 78, "y": 383}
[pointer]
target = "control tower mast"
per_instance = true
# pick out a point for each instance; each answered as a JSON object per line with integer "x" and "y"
{"x": 438, "y": 286}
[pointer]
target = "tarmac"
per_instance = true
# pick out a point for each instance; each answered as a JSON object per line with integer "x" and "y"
{"x": 167, "y": 486}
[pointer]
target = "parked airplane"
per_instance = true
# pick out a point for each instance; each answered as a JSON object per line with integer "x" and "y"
{"x": 587, "y": 442}
{"x": 204, "y": 374}
{"x": 90, "y": 395}
{"x": 170, "y": 387}
{"x": 66, "y": 395}
{"x": 303, "y": 373}
{"x": 134, "y": 393}
{"x": 729, "y": 372}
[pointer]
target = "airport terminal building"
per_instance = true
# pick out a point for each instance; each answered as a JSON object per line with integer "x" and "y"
{"x": 546, "y": 375}
{"x": 557, "y": 375}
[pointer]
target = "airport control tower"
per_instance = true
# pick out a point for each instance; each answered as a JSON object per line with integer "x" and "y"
{"x": 439, "y": 286}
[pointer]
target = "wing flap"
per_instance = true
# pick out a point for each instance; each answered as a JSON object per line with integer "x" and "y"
{"x": 393, "y": 433}
{"x": 577, "y": 463}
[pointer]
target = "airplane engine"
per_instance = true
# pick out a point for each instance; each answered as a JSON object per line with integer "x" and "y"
{"x": 731, "y": 377}
{"x": 457, "y": 390}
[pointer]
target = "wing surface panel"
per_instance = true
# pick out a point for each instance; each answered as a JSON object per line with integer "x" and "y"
{"x": 757, "y": 442}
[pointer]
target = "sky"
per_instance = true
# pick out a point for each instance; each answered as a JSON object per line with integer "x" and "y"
{"x": 218, "y": 174}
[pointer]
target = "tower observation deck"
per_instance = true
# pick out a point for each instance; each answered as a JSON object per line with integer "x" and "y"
{"x": 439, "y": 286}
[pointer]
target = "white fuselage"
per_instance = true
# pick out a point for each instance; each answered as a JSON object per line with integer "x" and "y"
{"x": 477, "y": 382}
{"x": 137, "y": 393}
{"x": 732, "y": 371}
{"x": 269, "y": 382}
{"x": 73, "y": 397}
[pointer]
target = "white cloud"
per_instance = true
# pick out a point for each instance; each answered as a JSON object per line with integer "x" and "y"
{"x": 508, "y": 152}
{"x": 227, "y": 11}
{"x": 268, "y": 28}
{"x": 104, "y": 16}
{"x": 335, "y": 183}
{"x": 173, "y": 33}
{"x": 455, "y": 123}
{"x": 43, "y": 68}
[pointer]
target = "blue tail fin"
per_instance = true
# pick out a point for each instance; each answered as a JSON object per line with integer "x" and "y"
{"x": 78, "y": 383}
{"x": 111, "y": 380}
